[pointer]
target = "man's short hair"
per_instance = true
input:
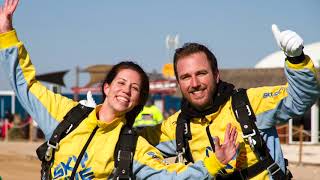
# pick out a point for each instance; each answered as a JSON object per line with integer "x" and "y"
{"x": 191, "y": 48}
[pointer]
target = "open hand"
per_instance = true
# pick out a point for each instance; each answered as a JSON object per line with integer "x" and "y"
{"x": 226, "y": 151}
{"x": 6, "y": 13}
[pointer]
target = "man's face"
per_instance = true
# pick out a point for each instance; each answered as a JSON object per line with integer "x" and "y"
{"x": 196, "y": 80}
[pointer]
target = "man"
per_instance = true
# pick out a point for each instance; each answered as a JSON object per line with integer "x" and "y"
{"x": 207, "y": 103}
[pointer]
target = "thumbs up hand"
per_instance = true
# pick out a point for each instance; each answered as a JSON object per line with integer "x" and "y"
{"x": 89, "y": 102}
{"x": 290, "y": 42}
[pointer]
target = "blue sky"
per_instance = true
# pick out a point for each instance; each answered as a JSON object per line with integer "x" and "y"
{"x": 61, "y": 34}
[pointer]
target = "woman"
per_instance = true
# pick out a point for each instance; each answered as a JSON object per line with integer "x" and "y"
{"x": 125, "y": 91}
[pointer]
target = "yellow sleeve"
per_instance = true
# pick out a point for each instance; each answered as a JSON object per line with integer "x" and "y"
{"x": 46, "y": 107}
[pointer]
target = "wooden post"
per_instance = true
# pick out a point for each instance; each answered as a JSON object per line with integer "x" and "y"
{"x": 76, "y": 93}
{"x": 300, "y": 144}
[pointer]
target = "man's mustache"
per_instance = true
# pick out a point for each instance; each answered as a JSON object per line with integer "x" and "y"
{"x": 194, "y": 89}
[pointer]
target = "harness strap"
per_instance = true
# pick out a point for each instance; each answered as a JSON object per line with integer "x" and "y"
{"x": 183, "y": 135}
{"x": 71, "y": 120}
{"x": 124, "y": 153}
{"x": 82, "y": 153}
{"x": 254, "y": 170}
{"x": 245, "y": 116}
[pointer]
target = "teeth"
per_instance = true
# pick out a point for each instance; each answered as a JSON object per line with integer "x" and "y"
{"x": 197, "y": 92}
{"x": 122, "y": 99}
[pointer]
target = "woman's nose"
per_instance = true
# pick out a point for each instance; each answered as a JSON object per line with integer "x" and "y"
{"x": 127, "y": 89}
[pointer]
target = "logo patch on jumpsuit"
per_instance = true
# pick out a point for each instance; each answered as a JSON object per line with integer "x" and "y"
{"x": 156, "y": 157}
{"x": 63, "y": 168}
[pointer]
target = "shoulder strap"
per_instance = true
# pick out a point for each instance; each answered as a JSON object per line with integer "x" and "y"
{"x": 183, "y": 135}
{"x": 124, "y": 153}
{"x": 71, "y": 120}
{"x": 246, "y": 117}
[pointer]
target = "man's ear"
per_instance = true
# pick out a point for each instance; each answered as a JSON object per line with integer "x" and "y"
{"x": 106, "y": 89}
{"x": 178, "y": 84}
{"x": 217, "y": 74}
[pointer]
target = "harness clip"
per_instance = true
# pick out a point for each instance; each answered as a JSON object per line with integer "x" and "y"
{"x": 273, "y": 168}
{"x": 49, "y": 151}
{"x": 48, "y": 155}
{"x": 251, "y": 141}
{"x": 125, "y": 155}
{"x": 54, "y": 146}
{"x": 180, "y": 155}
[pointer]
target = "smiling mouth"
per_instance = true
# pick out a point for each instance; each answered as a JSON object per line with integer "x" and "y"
{"x": 197, "y": 94}
{"x": 122, "y": 99}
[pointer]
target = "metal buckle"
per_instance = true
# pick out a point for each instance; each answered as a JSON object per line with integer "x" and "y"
{"x": 53, "y": 146}
{"x": 180, "y": 155}
{"x": 119, "y": 154}
{"x": 249, "y": 135}
{"x": 118, "y": 178}
{"x": 49, "y": 151}
{"x": 48, "y": 155}
{"x": 271, "y": 167}
{"x": 251, "y": 141}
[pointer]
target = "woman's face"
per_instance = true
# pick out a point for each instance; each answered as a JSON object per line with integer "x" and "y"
{"x": 122, "y": 95}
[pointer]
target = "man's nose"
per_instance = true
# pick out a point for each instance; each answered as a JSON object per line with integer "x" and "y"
{"x": 195, "y": 82}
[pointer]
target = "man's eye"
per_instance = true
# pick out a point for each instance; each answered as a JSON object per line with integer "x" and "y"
{"x": 203, "y": 73}
{"x": 184, "y": 77}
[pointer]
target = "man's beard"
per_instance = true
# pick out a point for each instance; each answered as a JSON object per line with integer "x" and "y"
{"x": 204, "y": 106}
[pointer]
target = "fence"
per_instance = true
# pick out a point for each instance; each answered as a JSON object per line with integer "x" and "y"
{"x": 19, "y": 130}
{"x": 303, "y": 135}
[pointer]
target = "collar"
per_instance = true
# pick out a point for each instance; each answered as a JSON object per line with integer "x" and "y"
{"x": 102, "y": 124}
{"x": 208, "y": 119}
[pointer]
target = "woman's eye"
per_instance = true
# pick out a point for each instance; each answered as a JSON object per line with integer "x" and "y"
{"x": 135, "y": 88}
{"x": 120, "y": 82}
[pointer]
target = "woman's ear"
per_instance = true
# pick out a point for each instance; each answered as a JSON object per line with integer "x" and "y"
{"x": 106, "y": 89}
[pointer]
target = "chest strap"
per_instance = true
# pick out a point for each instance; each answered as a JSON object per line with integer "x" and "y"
{"x": 183, "y": 135}
{"x": 124, "y": 153}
